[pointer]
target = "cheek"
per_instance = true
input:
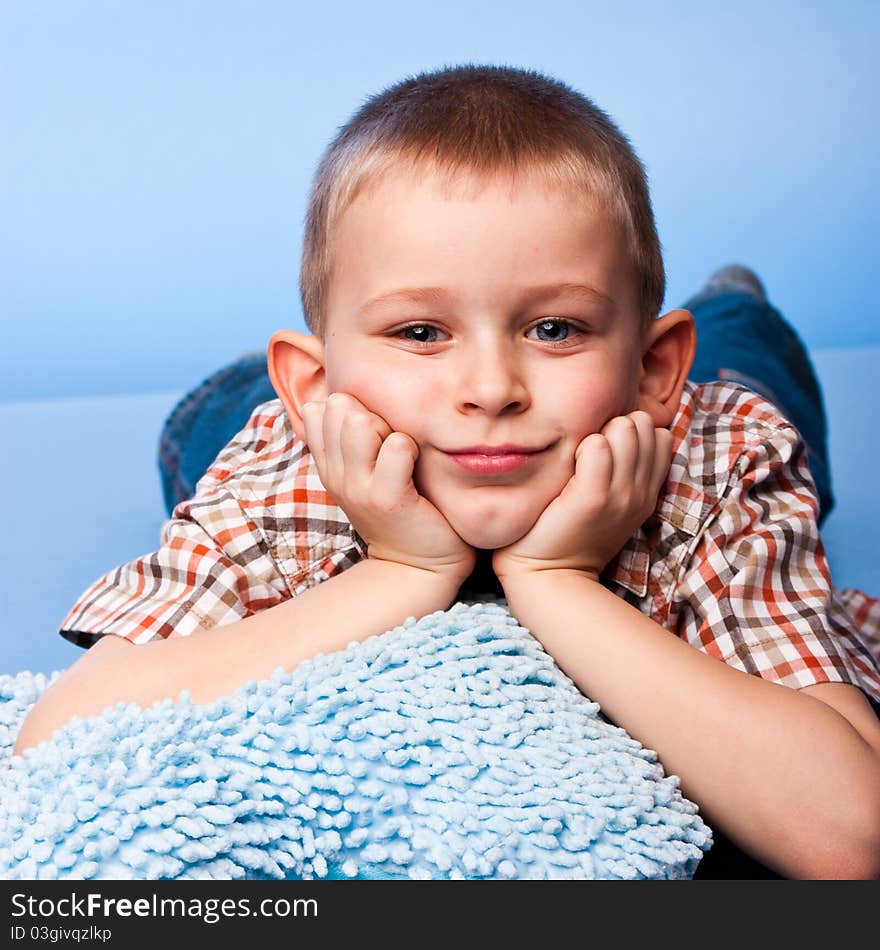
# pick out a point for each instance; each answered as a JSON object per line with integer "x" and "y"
{"x": 586, "y": 407}
{"x": 395, "y": 399}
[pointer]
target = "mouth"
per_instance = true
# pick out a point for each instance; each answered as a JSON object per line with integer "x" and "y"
{"x": 495, "y": 462}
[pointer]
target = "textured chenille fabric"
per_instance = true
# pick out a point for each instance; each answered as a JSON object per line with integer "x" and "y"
{"x": 731, "y": 559}
{"x": 451, "y": 747}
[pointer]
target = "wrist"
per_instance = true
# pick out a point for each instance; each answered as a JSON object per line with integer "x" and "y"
{"x": 514, "y": 580}
{"x": 445, "y": 582}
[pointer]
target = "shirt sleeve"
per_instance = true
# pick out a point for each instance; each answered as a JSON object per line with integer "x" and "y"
{"x": 214, "y": 565}
{"x": 757, "y": 586}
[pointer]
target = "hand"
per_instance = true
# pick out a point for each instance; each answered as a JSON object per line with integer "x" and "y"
{"x": 368, "y": 469}
{"x": 618, "y": 474}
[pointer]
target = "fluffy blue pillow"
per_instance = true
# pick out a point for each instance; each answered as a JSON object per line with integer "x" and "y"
{"x": 449, "y": 747}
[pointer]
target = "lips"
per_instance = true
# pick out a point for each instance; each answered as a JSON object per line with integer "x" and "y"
{"x": 492, "y": 450}
{"x": 494, "y": 460}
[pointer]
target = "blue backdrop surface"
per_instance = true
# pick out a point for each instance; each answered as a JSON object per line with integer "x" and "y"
{"x": 156, "y": 158}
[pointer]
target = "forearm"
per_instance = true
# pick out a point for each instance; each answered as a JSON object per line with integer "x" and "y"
{"x": 369, "y": 598}
{"x": 782, "y": 774}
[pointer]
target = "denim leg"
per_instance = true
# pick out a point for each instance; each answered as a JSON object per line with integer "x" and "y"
{"x": 748, "y": 341}
{"x": 206, "y": 419}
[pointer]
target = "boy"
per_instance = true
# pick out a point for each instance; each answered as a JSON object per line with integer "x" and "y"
{"x": 487, "y": 383}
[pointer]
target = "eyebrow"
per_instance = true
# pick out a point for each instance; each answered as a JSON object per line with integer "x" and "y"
{"x": 531, "y": 295}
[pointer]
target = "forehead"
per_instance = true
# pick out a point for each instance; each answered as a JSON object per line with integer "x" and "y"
{"x": 467, "y": 185}
{"x": 472, "y": 235}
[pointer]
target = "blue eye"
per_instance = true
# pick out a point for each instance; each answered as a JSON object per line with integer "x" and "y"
{"x": 561, "y": 332}
{"x": 421, "y": 328}
{"x": 555, "y": 327}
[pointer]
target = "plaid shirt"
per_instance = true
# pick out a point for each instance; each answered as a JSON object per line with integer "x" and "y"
{"x": 731, "y": 560}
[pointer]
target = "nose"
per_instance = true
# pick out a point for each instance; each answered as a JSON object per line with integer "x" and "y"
{"x": 490, "y": 378}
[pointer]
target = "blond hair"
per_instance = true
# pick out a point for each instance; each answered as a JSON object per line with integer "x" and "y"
{"x": 482, "y": 121}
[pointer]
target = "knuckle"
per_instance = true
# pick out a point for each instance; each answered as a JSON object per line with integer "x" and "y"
{"x": 354, "y": 421}
{"x": 396, "y": 442}
{"x": 613, "y": 425}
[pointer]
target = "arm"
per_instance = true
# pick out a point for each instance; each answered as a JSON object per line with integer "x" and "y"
{"x": 781, "y": 772}
{"x": 369, "y": 598}
{"x": 791, "y": 775}
{"x": 416, "y": 564}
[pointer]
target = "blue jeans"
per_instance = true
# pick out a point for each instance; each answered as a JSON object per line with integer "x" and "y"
{"x": 738, "y": 338}
{"x": 743, "y": 339}
{"x": 206, "y": 419}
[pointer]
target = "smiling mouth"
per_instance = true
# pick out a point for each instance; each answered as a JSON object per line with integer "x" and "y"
{"x": 481, "y": 464}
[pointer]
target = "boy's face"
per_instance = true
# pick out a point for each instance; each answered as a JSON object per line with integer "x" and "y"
{"x": 493, "y": 362}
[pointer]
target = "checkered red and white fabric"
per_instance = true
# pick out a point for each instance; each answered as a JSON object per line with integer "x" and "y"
{"x": 731, "y": 560}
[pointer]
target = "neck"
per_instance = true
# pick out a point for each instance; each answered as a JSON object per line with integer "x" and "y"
{"x": 482, "y": 579}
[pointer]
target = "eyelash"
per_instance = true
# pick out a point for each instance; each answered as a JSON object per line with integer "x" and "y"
{"x": 556, "y": 345}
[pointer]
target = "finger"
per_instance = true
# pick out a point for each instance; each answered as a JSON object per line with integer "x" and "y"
{"x": 335, "y": 410}
{"x": 354, "y": 405}
{"x": 395, "y": 463}
{"x": 313, "y": 420}
{"x": 623, "y": 437}
{"x": 594, "y": 466}
{"x": 360, "y": 442}
{"x": 662, "y": 458}
{"x": 644, "y": 470}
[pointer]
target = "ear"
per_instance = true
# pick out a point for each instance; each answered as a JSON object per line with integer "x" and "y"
{"x": 296, "y": 368}
{"x": 667, "y": 355}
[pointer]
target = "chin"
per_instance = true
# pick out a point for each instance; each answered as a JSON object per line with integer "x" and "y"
{"x": 489, "y": 517}
{"x": 491, "y": 533}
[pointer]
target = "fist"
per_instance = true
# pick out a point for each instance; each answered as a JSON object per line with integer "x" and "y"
{"x": 618, "y": 475}
{"x": 368, "y": 469}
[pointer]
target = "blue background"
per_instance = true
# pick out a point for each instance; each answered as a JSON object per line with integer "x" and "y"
{"x": 156, "y": 158}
